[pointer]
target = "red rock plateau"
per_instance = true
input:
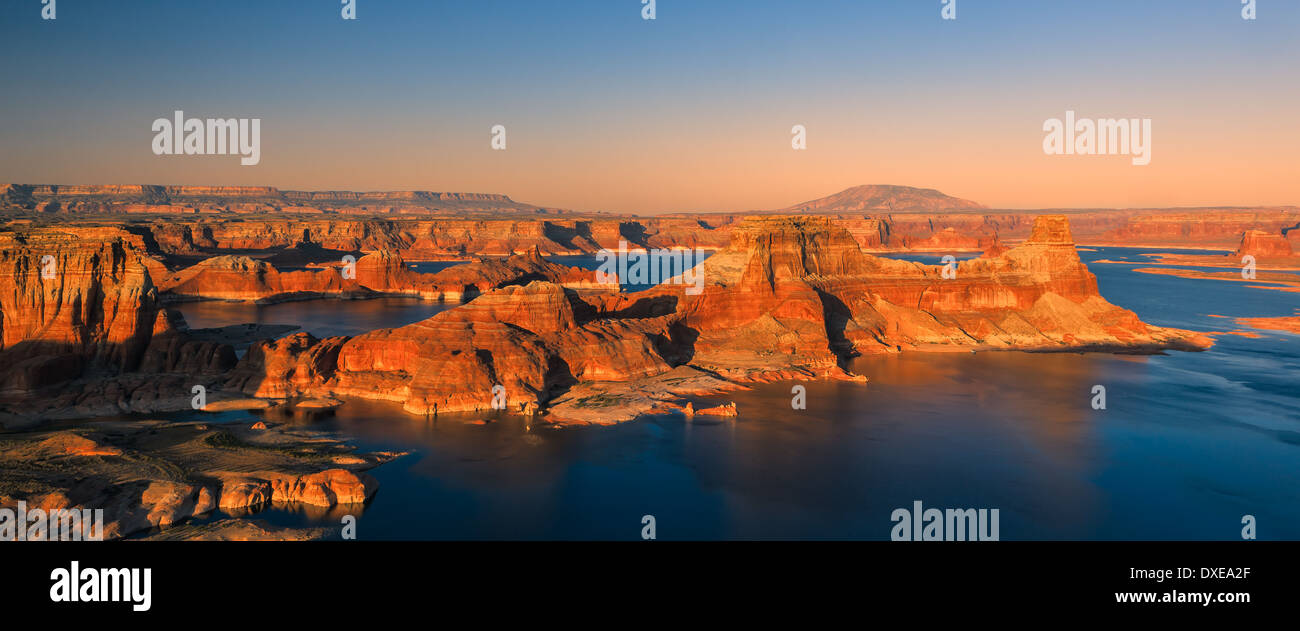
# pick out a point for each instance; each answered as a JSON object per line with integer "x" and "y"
{"x": 789, "y": 297}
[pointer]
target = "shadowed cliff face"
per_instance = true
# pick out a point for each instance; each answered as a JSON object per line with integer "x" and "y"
{"x": 789, "y": 296}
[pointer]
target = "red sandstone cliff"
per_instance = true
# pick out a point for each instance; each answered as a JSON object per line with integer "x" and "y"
{"x": 94, "y": 298}
{"x": 72, "y": 301}
{"x": 1217, "y": 228}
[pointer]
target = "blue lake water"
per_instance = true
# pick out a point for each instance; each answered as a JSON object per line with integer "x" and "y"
{"x": 322, "y": 318}
{"x": 432, "y": 267}
{"x": 1187, "y": 445}
{"x": 593, "y": 263}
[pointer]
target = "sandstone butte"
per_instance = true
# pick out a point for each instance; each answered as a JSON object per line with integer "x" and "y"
{"x": 242, "y": 278}
{"x": 790, "y": 297}
{"x": 1267, "y": 245}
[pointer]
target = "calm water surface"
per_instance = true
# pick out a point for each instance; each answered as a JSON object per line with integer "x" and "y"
{"x": 1188, "y": 444}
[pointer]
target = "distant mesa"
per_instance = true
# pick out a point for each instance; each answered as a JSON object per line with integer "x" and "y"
{"x": 884, "y": 197}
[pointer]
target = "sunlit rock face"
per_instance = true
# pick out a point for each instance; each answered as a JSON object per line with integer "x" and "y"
{"x": 84, "y": 299}
{"x": 92, "y": 294}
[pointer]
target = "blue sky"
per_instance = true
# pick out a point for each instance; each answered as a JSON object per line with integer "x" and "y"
{"x": 598, "y": 101}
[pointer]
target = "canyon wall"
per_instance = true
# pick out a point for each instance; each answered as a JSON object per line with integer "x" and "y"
{"x": 1209, "y": 228}
{"x": 82, "y": 301}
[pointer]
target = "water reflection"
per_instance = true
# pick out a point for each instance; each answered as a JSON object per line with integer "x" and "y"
{"x": 321, "y": 317}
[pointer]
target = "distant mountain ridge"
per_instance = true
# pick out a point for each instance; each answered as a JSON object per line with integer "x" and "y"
{"x": 884, "y": 197}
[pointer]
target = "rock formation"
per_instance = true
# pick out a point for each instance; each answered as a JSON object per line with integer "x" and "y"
{"x": 796, "y": 293}
{"x": 791, "y": 296}
{"x": 1213, "y": 228}
{"x": 155, "y": 474}
{"x": 384, "y": 272}
{"x": 83, "y": 332}
{"x": 1264, "y": 245}
{"x": 244, "y": 278}
{"x": 471, "y": 279}
{"x": 526, "y": 339}
{"x": 82, "y": 291}
{"x": 82, "y": 301}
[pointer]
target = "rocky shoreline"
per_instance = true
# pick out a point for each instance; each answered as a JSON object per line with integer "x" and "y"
{"x": 150, "y": 475}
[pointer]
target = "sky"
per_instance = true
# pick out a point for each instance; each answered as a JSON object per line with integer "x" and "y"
{"x": 691, "y": 111}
